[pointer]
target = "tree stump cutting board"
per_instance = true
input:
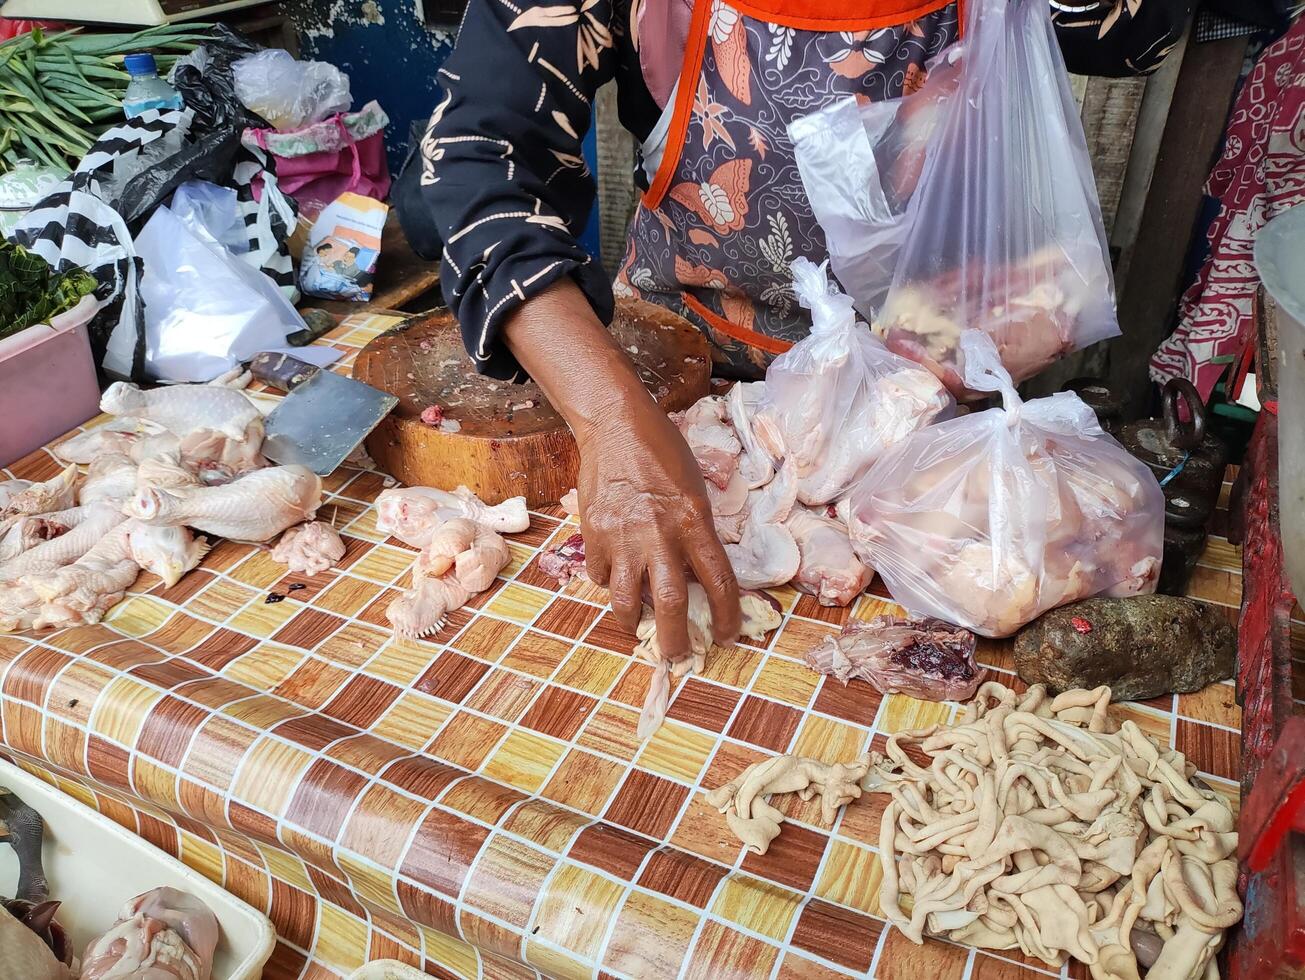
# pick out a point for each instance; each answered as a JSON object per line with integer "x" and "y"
{"x": 509, "y": 440}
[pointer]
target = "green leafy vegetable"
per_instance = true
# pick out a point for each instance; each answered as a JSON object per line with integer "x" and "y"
{"x": 59, "y": 92}
{"x": 31, "y": 292}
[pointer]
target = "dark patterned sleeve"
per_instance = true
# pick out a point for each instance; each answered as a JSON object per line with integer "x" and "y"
{"x": 1118, "y": 38}
{"x": 503, "y": 178}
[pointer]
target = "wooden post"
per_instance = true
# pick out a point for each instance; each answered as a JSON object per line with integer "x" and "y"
{"x": 1192, "y": 139}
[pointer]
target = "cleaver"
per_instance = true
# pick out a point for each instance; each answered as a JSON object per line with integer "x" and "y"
{"x": 323, "y": 417}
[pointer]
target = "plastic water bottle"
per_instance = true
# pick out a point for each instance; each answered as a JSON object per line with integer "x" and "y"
{"x": 146, "y": 90}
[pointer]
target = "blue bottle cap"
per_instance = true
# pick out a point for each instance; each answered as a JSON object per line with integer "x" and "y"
{"x": 140, "y": 64}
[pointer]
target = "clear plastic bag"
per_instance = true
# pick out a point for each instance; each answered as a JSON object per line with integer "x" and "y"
{"x": 1001, "y": 230}
{"x": 290, "y": 94}
{"x": 990, "y": 519}
{"x": 838, "y": 398}
{"x": 860, "y": 163}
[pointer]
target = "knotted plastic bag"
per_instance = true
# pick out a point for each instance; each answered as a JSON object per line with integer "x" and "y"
{"x": 1005, "y": 228}
{"x": 838, "y": 398}
{"x": 990, "y": 519}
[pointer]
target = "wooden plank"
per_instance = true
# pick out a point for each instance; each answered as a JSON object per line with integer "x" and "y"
{"x": 1110, "y": 108}
{"x": 617, "y": 194}
{"x": 1191, "y": 141}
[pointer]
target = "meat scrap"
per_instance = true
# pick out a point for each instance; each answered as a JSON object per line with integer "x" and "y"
{"x": 925, "y": 659}
{"x": 761, "y": 614}
{"x": 309, "y": 548}
{"x": 162, "y": 933}
{"x": 566, "y": 561}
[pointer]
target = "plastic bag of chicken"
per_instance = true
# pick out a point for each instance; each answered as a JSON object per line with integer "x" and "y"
{"x": 836, "y": 400}
{"x": 990, "y": 519}
{"x": 1005, "y": 231}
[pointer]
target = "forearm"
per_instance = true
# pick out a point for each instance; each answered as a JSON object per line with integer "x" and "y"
{"x": 583, "y": 372}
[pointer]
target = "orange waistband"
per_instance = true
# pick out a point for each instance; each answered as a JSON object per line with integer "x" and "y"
{"x": 771, "y": 345}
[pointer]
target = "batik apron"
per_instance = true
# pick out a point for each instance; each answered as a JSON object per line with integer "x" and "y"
{"x": 725, "y": 212}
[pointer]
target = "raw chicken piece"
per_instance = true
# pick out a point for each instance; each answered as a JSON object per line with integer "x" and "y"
{"x": 755, "y": 463}
{"x": 731, "y": 499}
{"x": 706, "y": 428}
{"x": 160, "y": 935}
{"x": 828, "y": 567}
{"x": 84, "y": 447}
{"x": 155, "y": 444}
{"x": 56, "y": 493}
{"x": 19, "y": 607}
{"x": 183, "y": 409}
{"x": 566, "y": 561}
{"x": 926, "y": 659}
{"x": 459, "y": 560}
{"x": 30, "y": 530}
{"x": 761, "y": 614}
{"x": 165, "y": 471}
{"x": 570, "y": 502}
{"x": 95, "y": 521}
{"x": 309, "y": 548}
{"x": 412, "y": 514}
{"x": 81, "y": 593}
{"x": 729, "y": 527}
{"x": 838, "y": 399}
{"x": 168, "y": 552}
{"x": 256, "y": 507}
{"x": 219, "y": 459}
{"x": 10, "y": 488}
{"x": 111, "y": 476}
{"x": 767, "y": 554}
{"x": 1031, "y": 318}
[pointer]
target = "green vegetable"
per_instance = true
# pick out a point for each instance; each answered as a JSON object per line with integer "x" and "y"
{"x": 31, "y": 292}
{"x": 59, "y": 92}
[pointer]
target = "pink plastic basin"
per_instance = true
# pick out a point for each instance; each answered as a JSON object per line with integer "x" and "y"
{"x": 47, "y": 381}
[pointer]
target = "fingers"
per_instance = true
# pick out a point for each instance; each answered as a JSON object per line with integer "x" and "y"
{"x": 670, "y": 604}
{"x": 598, "y": 562}
{"x": 626, "y": 589}
{"x": 711, "y": 566}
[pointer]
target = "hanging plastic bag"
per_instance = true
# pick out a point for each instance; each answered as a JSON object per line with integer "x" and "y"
{"x": 289, "y": 93}
{"x": 990, "y": 519}
{"x": 1004, "y": 229}
{"x": 860, "y": 162}
{"x": 837, "y": 399}
{"x": 206, "y": 310}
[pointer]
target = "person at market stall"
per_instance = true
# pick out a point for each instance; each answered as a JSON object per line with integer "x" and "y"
{"x": 708, "y": 89}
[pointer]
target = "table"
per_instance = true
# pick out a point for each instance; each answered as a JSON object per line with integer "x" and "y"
{"x": 477, "y": 804}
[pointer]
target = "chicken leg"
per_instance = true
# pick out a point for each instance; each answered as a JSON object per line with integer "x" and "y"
{"x": 256, "y": 507}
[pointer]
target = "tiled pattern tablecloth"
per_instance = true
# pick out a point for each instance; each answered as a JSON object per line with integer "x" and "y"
{"x": 477, "y": 804}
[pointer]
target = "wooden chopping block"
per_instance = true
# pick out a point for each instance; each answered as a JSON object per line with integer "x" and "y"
{"x": 509, "y": 440}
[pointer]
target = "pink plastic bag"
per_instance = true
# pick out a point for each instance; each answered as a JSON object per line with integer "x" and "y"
{"x": 990, "y": 519}
{"x": 316, "y": 164}
{"x": 837, "y": 399}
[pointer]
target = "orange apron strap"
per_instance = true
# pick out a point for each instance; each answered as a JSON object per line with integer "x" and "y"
{"x": 694, "y": 48}
{"x": 771, "y": 345}
{"x": 837, "y": 15}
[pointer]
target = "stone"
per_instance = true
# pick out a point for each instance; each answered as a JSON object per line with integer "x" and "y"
{"x": 1140, "y": 647}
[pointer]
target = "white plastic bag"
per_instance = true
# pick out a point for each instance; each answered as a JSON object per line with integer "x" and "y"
{"x": 838, "y": 398}
{"x": 990, "y": 519}
{"x": 206, "y": 310}
{"x": 290, "y": 94}
{"x": 860, "y": 163}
